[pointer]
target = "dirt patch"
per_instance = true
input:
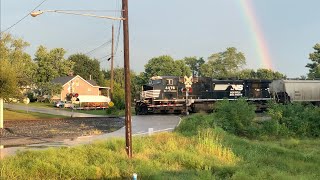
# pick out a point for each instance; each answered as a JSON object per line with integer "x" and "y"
{"x": 25, "y": 132}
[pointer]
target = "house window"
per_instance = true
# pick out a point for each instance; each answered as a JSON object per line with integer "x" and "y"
{"x": 169, "y": 81}
{"x": 89, "y": 89}
{"x": 77, "y": 83}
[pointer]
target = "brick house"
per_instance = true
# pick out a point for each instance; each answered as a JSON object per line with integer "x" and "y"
{"x": 76, "y": 84}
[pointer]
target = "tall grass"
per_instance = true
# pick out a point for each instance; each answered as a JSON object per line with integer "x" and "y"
{"x": 165, "y": 154}
{"x": 280, "y": 159}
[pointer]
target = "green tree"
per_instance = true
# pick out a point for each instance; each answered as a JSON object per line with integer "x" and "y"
{"x": 314, "y": 66}
{"x": 8, "y": 80}
{"x": 85, "y": 67}
{"x": 224, "y": 64}
{"x": 12, "y": 49}
{"x": 269, "y": 74}
{"x": 260, "y": 74}
{"x": 166, "y": 66}
{"x": 194, "y": 64}
{"x": 118, "y": 76}
{"x": 136, "y": 82}
{"x": 181, "y": 68}
{"x": 49, "y": 88}
{"x": 51, "y": 64}
{"x": 247, "y": 74}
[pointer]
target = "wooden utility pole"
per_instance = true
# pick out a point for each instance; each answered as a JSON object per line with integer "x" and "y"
{"x": 1, "y": 114}
{"x": 127, "y": 77}
{"x": 112, "y": 59}
{"x": 1, "y": 99}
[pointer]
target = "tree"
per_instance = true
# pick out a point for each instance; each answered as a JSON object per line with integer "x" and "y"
{"x": 118, "y": 76}
{"x": 181, "y": 68}
{"x": 247, "y": 74}
{"x": 166, "y": 66}
{"x": 224, "y": 64}
{"x": 49, "y": 88}
{"x": 269, "y": 74}
{"x": 194, "y": 64}
{"x": 85, "y": 67}
{"x": 8, "y": 80}
{"x": 12, "y": 49}
{"x": 260, "y": 74}
{"x": 136, "y": 82}
{"x": 51, "y": 64}
{"x": 314, "y": 66}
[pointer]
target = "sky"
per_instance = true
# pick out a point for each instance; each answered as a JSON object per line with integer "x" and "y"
{"x": 272, "y": 34}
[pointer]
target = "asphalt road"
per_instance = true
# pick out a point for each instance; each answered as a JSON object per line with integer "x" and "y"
{"x": 55, "y": 111}
{"x": 141, "y": 125}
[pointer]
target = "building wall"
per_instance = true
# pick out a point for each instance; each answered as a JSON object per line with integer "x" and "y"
{"x": 78, "y": 85}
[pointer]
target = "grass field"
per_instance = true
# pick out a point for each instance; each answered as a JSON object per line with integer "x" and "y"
{"x": 206, "y": 154}
{"x": 23, "y": 115}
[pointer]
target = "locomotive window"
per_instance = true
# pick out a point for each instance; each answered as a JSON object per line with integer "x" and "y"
{"x": 158, "y": 81}
{"x": 169, "y": 81}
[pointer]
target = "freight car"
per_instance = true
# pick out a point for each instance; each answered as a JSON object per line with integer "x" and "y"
{"x": 287, "y": 91}
{"x": 171, "y": 94}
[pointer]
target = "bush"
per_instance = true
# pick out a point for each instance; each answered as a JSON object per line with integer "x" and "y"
{"x": 235, "y": 116}
{"x": 295, "y": 119}
{"x": 194, "y": 123}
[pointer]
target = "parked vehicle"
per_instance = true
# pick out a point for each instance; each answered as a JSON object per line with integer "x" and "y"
{"x": 59, "y": 104}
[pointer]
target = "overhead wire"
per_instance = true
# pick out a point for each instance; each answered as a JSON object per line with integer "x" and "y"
{"x": 119, "y": 29}
{"x": 104, "y": 57}
{"x": 23, "y": 17}
{"x": 105, "y": 43}
{"x": 116, "y": 14}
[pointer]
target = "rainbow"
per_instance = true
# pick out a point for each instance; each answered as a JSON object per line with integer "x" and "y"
{"x": 260, "y": 43}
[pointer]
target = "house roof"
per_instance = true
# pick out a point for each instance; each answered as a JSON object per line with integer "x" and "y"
{"x": 62, "y": 80}
{"x": 92, "y": 82}
{"x": 66, "y": 79}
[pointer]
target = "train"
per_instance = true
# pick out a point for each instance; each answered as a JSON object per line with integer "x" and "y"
{"x": 184, "y": 95}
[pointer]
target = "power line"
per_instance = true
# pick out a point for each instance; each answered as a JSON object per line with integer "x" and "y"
{"x": 23, "y": 17}
{"x": 109, "y": 55}
{"x": 118, "y": 37}
{"x": 108, "y": 42}
{"x": 119, "y": 29}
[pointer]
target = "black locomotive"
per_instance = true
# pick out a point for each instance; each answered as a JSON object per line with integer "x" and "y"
{"x": 171, "y": 94}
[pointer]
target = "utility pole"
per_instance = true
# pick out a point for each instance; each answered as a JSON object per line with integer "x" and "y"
{"x": 112, "y": 58}
{"x": 1, "y": 99}
{"x": 125, "y": 15}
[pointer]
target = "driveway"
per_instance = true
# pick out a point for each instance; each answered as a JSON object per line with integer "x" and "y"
{"x": 141, "y": 125}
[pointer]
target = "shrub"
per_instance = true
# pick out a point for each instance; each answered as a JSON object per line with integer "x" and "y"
{"x": 295, "y": 119}
{"x": 192, "y": 124}
{"x": 235, "y": 116}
